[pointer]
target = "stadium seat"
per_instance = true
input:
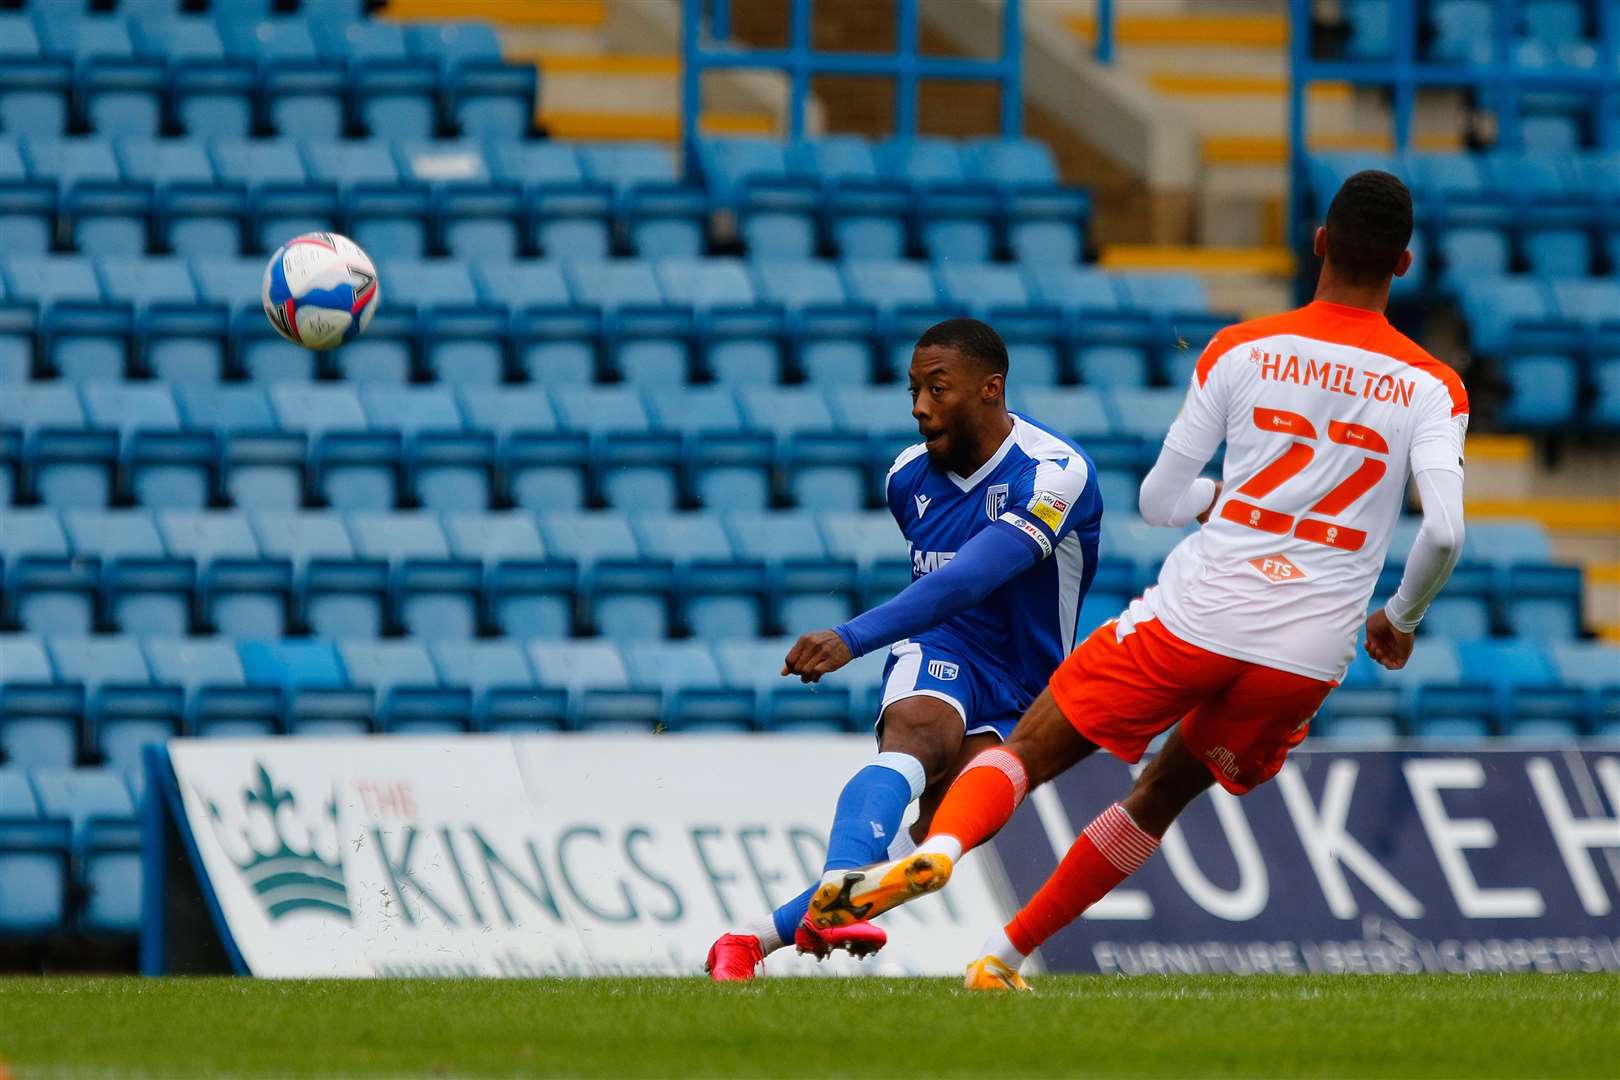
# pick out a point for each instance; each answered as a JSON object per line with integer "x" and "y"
{"x": 336, "y": 595}
{"x": 145, "y": 591}
{"x": 310, "y": 677}
{"x": 626, "y": 595}
{"x": 554, "y": 340}
{"x": 432, "y": 595}
{"x": 34, "y": 849}
{"x": 727, "y": 467}
{"x": 261, "y": 467}
{"x": 1462, "y": 611}
{"x": 404, "y": 684}
{"x": 163, "y": 466}
{"x": 239, "y": 593}
{"x": 1543, "y": 602}
{"x": 39, "y": 717}
{"x": 47, "y": 591}
{"x": 782, "y": 704}
{"x": 351, "y": 466}
{"x": 210, "y": 93}
{"x": 740, "y": 336}
{"x": 504, "y": 693}
{"x": 483, "y": 96}
{"x": 447, "y": 468}
{"x": 65, "y": 463}
{"x": 875, "y": 546}
{"x": 810, "y": 590}
{"x": 526, "y": 592}
{"x": 35, "y": 100}
{"x": 599, "y": 691}
{"x": 283, "y": 201}
{"x": 106, "y": 843}
{"x": 831, "y": 334}
{"x": 300, "y": 94}
{"x": 81, "y": 337}
{"x": 124, "y": 709}
{"x": 695, "y": 698}
{"x": 718, "y": 595}
{"x": 394, "y": 92}
{"x": 218, "y": 700}
{"x": 646, "y": 335}
{"x": 537, "y": 466}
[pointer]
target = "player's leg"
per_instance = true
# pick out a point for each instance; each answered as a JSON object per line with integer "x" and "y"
{"x": 1239, "y": 737}
{"x": 934, "y": 795}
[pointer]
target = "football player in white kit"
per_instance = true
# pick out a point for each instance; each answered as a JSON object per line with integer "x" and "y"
{"x": 1325, "y": 411}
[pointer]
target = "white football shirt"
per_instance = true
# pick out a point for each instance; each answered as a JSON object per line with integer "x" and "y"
{"x": 1325, "y": 412}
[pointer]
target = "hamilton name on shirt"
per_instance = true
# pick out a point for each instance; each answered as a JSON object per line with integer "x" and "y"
{"x": 1334, "y": 377}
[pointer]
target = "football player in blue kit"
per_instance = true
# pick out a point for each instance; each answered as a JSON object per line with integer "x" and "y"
{"x": 1001, "y": 516}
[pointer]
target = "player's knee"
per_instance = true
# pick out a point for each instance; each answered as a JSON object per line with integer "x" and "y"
{"x": 927, "y": 729}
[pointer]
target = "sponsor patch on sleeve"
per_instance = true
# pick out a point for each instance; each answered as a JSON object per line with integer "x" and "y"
{"x": 1029, "y": 529}
{"x": 1051, "y": 508}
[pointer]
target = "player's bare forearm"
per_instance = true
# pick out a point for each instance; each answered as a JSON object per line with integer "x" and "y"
{"x": 1386, "y": 644}
{"x": 816, "y": 654}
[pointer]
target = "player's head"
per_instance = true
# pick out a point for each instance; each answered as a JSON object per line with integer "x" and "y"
{"x": 958, "y": 381}
{"x": 1369, "y": 224}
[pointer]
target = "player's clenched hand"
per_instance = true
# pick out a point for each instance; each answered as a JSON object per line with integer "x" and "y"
{"x": 814, "y": 655}
{"x": 1385, "y": 644}
{"x": 1203, "y": 519}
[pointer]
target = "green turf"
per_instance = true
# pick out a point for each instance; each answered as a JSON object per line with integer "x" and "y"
{"x": 1352, "y": 1026}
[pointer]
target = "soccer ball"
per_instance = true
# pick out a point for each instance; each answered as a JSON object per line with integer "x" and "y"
{"x": 320, "y": 290}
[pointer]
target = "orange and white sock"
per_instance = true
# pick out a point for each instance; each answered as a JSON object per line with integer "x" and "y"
{"x": 1109, "y": 850}
{"x": 978, "y": 804}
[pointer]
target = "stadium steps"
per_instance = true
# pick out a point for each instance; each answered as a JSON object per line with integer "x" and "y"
{"x": 588, "y": 14}
{"x": 1250, "y": 280}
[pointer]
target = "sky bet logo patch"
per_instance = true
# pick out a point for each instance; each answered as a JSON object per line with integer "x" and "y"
{"x": 1050, "y": 508}
{"x": 943, "y": 670}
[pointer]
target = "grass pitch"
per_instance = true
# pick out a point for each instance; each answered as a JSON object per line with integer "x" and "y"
{"x": 1560, "y": 1026}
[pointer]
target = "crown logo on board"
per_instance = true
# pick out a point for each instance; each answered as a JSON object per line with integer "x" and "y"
{"x": 291, "y": 866}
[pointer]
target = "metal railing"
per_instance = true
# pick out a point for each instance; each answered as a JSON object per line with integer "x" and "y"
{"x": 705, "y": 48}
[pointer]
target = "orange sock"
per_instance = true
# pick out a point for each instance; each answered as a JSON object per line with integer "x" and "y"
{"x": 981, "y": 800}
{"x": 1109, "y": 850}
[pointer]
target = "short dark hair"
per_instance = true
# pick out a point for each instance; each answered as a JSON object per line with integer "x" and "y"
{"x": 973, "y": 339}
{"x": 1369, "y": 224}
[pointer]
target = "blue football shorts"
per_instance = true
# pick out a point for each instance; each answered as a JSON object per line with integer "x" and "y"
{"x": 985, "y": 699}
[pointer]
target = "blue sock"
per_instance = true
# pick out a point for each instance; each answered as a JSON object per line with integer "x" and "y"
{"x": 870, "y": 809}
{"x": 865, "y": 823}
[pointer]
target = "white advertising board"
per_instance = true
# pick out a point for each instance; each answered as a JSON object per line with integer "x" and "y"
{"x": 534, "y": 855}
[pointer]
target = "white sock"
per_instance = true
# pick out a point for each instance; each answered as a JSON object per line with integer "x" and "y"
{"x": 765, "y": 930}
{"x": 1001, "y": 947}
{"x": 949, "y": 846}
{"x": 902, "y": 845}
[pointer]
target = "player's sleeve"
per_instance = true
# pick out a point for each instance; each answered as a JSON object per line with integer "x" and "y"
{"x": 989, "y": 559}
{"x": 1063, "y": 494}
{"x": 1441, "y": 428}
{"x": 1200, "y": 428}
{"x": 897, "y": 484}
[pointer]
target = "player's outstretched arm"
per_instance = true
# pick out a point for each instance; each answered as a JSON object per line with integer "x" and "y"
{"x": 1173, "y": 493}
{"x": 1434, "y": 554}
{"x": 992, "y": 557}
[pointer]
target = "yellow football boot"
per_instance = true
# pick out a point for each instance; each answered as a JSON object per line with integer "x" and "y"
{"x": 988, "y": 973}
{"x": 848, "y": 896}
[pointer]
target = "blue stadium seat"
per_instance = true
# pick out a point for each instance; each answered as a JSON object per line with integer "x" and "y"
{"x": 599, "y": 690}
{"x": 80, "y": 337}
{"x": 210, "y": 94}
{"x": 39, "y": 718}
{"x": 194, "y": 213}
{"x": 661, "y": 216}
{"x": 1505, "y": 665}
{"x": 954, "y": 213}
{"x": 106, "y": 843}
{"x": 832, "y": 335}
{"x": 907, "y": 301}
{"x": 1493, "y": 305}
{"x": 1146, "y": 414}
{"x": 262, "y": 355}
{"x": 1594, "y": 668}
{"x": 1546, "y": 714}
{"x": 1111, "y": 590}
{"x": 404, "y": 684}
{"x": 1462, "y": 612}
{"x": 34, "y": 849}
{"x": 783, "y": 704}
{"x": 433, "y": 595}
{"x": 873, "y": 543}
{"x": 261, "y": 467}
{"x": 310, "y": 677}
{"x": 1503, "y": 541}
{"x": 483, "y": 95}
{"x": 301, "y": 94}
{"x": 394, "y": 92}
{"x": 864, "y": 213}
{"x": 145, "y": 590}
{"x": 482, "y": 220}
{"x": 382, "y": 212}
{"x": 1147, "y": 545}
{"x": 634, "y": 466}
{"x": 1543, "y": 602}
{"x": 727, "y": 467}
{"x": 810, "y": 590}
{"x": 27, "y": 207}
{"x": 101, "y": 214}
{"x": 526, "y": 593}
{"x": 998, "y": 295}
{"x": 1603, "y": 409}
{"x": 1473, "y": 251}
{"x": 566, "y": 215}
{"x": 35, "y": 99}
{"x": 218, "y": 700}
{"x": 336, "y": 594}
{"x": 163, "y": 466}
{"x": 504, "y": 692}
{"x": 718, "y": 595}
{"x": 239, "y": 592}
{"x": 774, "y": 201}
{"x": 537, "y": 466}
{"x": 447, "y": 468}
{"x": 1544, "y": 392}
{"x": 352, "y": 467}
{"x": 1044, "y": 221}
{"x": 1078, "y": 412}
{"x": 626, "y": 595}
{"x": 646, "y": 336}
{"x": 741, "y": 337}
{"x": 47, "y": 591}
{"x": 124, "y": 709}
{"x": 555, "y": 340}
{"x": 283, "y": 201}
{"x": 685, "y": 674}
{"x": 65, "y": 464}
